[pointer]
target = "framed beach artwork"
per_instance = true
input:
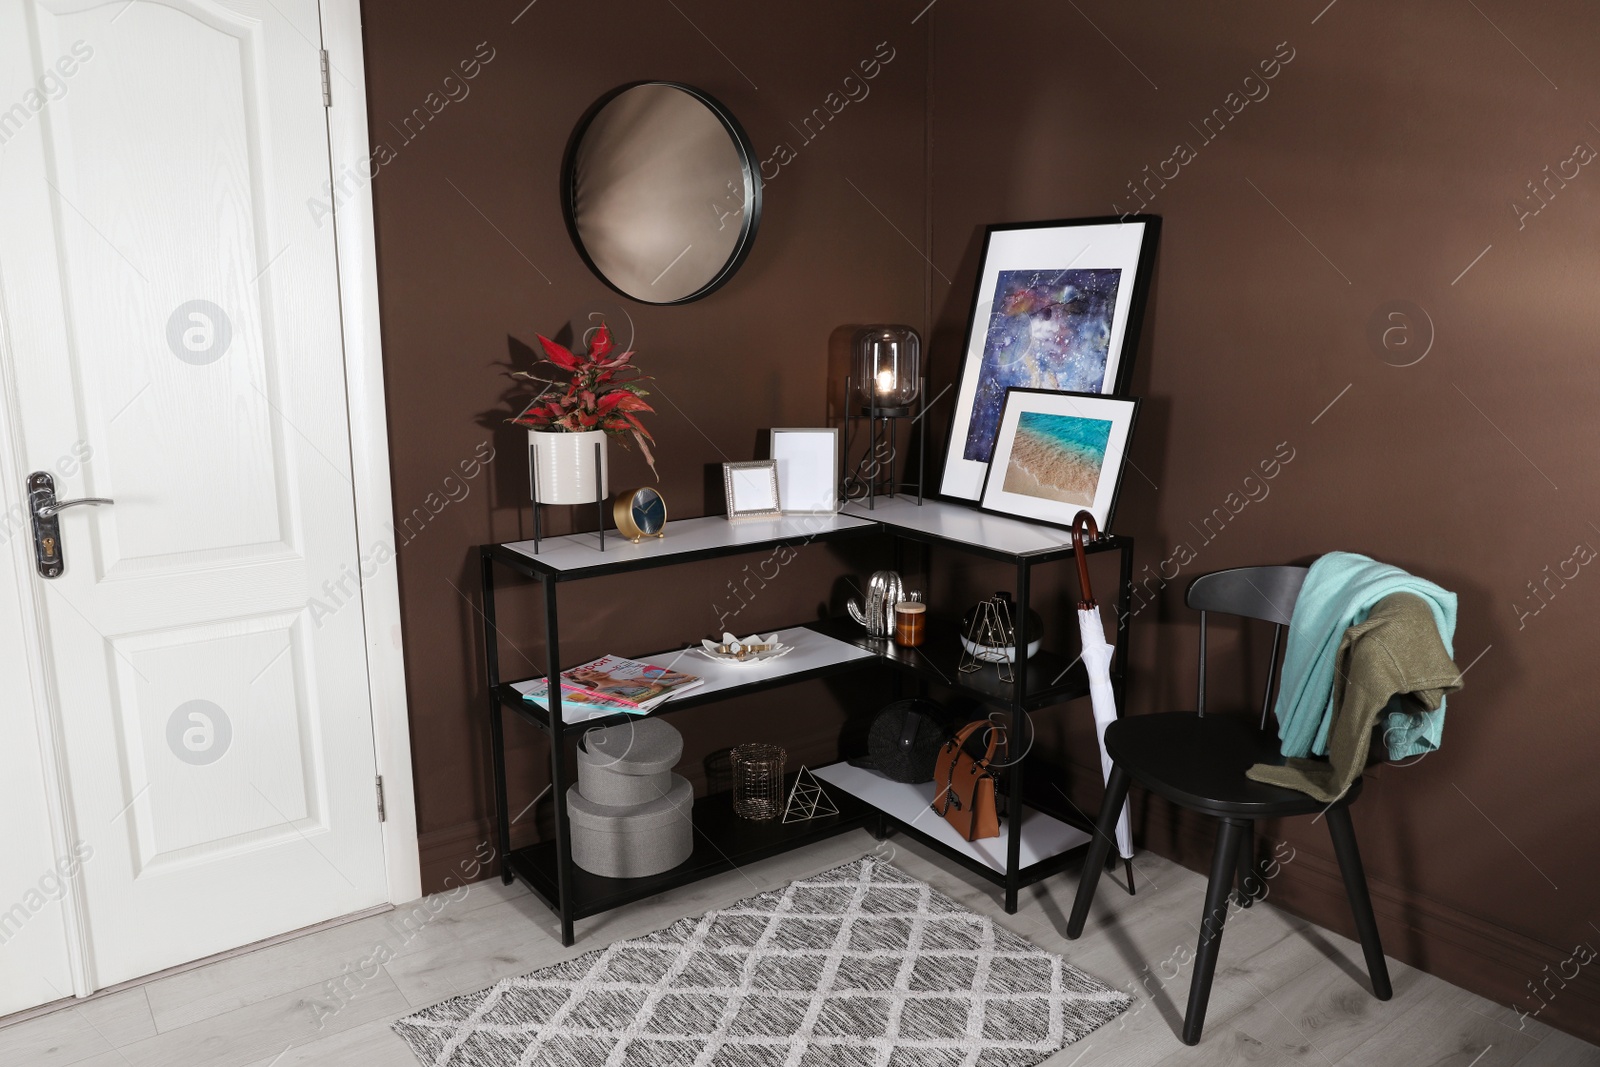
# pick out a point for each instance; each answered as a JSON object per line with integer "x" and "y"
{"x": 1057, "y": 307}
{"x": 1056, "y": 453}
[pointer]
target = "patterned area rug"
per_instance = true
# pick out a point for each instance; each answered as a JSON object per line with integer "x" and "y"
{"x": 860, "y": 966}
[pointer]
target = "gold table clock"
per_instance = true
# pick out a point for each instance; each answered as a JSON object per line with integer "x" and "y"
{"x": 639, "y": 513}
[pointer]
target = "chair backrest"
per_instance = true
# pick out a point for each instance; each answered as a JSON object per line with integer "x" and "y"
{"x": 1265, "y": 593}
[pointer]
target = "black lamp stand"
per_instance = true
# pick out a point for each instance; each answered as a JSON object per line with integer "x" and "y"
{"x": 882, "y": 423}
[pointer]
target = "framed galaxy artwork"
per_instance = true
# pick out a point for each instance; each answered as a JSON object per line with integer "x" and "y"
{"x": 1056, "y": 453}
{"x": 1057, "y": 308}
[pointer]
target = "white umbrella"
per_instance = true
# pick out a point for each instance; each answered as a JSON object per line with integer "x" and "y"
{"x": 1097, "y": 663}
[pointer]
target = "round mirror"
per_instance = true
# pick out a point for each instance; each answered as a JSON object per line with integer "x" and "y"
{"x": 661, "y": 192}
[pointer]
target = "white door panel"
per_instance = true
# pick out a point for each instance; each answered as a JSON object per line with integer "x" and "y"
{"x": 170, "y": 303}
{"x": 34, "y": 950}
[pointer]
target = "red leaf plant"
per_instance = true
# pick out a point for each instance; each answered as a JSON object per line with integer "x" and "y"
{"x": 601, "y": 392}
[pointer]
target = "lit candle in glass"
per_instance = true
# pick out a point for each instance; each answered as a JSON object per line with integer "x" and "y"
{"x": 888, "y": 365}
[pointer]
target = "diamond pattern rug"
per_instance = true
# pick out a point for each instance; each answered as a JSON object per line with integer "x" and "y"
{"x": 859, "y": 966}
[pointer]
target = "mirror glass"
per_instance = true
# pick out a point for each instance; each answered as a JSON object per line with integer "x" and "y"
{"x": 662, "y": 195}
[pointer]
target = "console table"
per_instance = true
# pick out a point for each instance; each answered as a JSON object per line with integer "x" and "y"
{"x": 1032, "y": 844}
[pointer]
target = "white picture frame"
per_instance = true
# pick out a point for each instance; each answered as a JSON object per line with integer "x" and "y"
{"x": 752, "y": 489}
{"x": 1029, "y": 274}
{"x": 1069, "y": 457}
{"x": 808, "y": 468}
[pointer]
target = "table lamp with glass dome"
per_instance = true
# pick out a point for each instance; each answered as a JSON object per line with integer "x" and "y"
{"x": 885, "y": 385}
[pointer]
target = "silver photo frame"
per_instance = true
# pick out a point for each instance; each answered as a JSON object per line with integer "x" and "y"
{"x": 808, "y": 468}
{"x": 752, "y": 489}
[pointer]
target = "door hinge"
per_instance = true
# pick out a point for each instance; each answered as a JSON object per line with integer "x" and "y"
{"x": 327, "y": 82}
{"x": 382, "y": 815}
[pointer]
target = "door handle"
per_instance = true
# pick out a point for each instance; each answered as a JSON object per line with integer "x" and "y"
{"x": 47, "y": 549}
{"x": 45, "y": 511}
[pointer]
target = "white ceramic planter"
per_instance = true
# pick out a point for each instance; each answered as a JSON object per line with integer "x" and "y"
{"x": 564, "y": 464}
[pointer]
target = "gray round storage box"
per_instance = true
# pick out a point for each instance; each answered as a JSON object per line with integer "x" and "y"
{"x": 636, "y": 841}
{"x": 627, "y": 765}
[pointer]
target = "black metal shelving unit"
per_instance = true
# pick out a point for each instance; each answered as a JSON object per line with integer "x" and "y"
{"x": 723, "y": 841}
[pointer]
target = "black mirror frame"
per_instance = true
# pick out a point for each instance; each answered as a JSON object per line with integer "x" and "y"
{"x": 752, "y": 181}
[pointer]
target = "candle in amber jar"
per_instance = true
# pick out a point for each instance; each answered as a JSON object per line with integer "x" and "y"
{"x": 908, "y": 621}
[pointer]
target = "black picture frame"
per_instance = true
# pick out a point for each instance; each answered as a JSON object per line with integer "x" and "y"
{"x": 961, "y": 480}
{"x": 1078, "y": 405}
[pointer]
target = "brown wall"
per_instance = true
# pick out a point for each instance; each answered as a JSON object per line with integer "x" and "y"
{"x": 1383, "y": 160}
{"x": 474, "y": 261}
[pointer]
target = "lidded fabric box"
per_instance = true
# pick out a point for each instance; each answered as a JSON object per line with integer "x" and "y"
{"x": 630, "y": 764}
{"x": 629, "y": 814}
{"x": 634, "y": 841}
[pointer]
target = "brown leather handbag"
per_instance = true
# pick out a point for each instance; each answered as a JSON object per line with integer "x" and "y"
{"x": 965, "y": 787}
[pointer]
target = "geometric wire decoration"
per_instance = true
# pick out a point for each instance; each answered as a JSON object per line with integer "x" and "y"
{"x": 990, "y": 632}
{"x": 807, "y": 800}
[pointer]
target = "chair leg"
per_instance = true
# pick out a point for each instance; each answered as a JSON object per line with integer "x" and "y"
{"x": 1249, "y": 881}
{"x": 1343, "y": 833}
{"x": 1224, "y": 866}
{"x": 1099, "y": 849}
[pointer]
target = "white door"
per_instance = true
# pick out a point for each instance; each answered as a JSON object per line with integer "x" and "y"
{"x": 171, "y": 326}
{"x": 35, "y": 932}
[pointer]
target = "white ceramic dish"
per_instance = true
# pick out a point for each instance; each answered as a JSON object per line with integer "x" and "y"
{"x": 752, "y": 649}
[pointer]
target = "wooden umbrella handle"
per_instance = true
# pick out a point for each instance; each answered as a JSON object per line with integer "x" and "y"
{"x": 1079, "y": 521}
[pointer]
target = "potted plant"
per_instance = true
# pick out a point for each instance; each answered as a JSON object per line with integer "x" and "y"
{"x": 600, "y": 397}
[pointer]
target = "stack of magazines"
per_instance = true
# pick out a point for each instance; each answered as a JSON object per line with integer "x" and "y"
{"x": 612, "y": 684}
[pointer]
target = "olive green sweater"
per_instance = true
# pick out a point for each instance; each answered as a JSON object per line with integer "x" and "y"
{"x": 1393, "y": 662}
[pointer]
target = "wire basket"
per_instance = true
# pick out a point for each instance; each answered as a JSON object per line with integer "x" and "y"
{"x": 758, "y": 781}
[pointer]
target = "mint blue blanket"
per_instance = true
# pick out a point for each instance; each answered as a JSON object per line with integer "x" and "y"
{"x": 1340, "y": 591}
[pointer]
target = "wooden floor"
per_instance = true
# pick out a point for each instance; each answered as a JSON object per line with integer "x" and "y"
{"x": 1285, "y": 993}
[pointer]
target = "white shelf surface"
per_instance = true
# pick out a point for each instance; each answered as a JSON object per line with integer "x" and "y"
{"x": 959, "y": 523}
{"x": 1042, "y": 835}
{"x": 572, "y": 552}
{"x": 812, "y": 651}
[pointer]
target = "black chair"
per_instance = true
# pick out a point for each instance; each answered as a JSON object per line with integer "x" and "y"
{"x": 1199, "y": 762}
